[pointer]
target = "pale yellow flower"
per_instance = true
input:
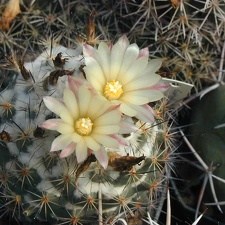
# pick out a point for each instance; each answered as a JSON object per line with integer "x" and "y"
{"x": 123, "y": 74}
{"x": 87, "y": 124}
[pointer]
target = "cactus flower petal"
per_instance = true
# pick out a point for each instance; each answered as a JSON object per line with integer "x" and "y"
{"x": 71, "y": 102}
{"x": 102, "y": 157}
{"x": 58, "y": 108}
{"x": 145, "y": 113}
{"x": 68, "y": 150}
{"x": 61, "y": 142}
{"x": 119, "y": 139}
{"x": 106, "y": 140}
{"x": 59, "y": 125}
{"x": 81, "y": 151}
{"x": 162, "y": 86}
{"x": 144, "y": 52}
{"x": 92, "y": 143}
{"x": 128, "y": 110}
{"x": 127, "y": 125}
{"x": 51, "y": 124}
{"x": 88, "y": 50}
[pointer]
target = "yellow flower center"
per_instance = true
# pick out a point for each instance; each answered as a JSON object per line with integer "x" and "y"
{"x": 113, "y": 90}
{"x": 83, "y": 126}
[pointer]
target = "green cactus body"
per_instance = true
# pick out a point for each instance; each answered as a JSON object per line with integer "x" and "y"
{"x": 36, "y": 184}
{"x": 207, "y": 135}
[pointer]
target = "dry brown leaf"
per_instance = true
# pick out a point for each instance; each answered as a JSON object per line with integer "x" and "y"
{"x": 11, "y": 10}
{"x": 90, "y": 30}
{"x": 123, "y": 163}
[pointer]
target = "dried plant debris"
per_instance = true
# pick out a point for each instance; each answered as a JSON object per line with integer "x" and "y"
{"x": 11, "y": 10}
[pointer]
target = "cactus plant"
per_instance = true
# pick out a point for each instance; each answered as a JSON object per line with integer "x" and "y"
{"x": 188, "y": 35}
{"x": 79, "y": 188}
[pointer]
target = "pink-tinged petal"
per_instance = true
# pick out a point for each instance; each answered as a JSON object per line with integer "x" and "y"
{"x": 58, "y": 108}
{"x": 123, "y": 41}
{"x": 52, "y": 124}
{"x": 81, "y": 151}
{"x": 102, "y": 157}
{"x": 71, "y": 102}
{"x": 74, "y": 83}
{"x": 145, "y": 113}
{"x": 68, "y": 150}
{"x": 60, "y": 142}
{"x": 88, "y": 50}
{"x": 106, "y": 140}
{"x": 120, "y": 139}
{"x": 110, "y": 46}
{"x": 91, "y": 143}
{"x": 127, "y": 125}
{"x": 54, "y": 105}
{"x": 143, "y": 53}
{"x": 161, "y": 86}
